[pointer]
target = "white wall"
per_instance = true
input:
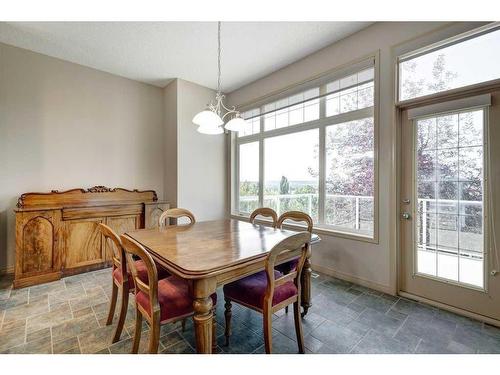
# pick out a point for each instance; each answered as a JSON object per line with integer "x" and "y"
{"x": 64, "y": 126}
{"x": 370, "y": 264}
{"x": 196, "y": 169}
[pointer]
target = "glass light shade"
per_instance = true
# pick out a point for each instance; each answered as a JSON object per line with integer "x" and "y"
{"x": 204, "y": 129}
{"x": 236, "y": 124}
{"x": 207, "y": 118}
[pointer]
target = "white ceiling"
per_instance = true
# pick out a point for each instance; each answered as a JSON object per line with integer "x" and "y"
{"x": 156, "y": 52}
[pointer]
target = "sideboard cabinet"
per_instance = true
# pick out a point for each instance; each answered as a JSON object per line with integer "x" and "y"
{"x": 57, "y": 233}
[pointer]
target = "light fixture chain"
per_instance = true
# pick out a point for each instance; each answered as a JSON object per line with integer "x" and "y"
{"x": 218, "y": 58}
{"x": 210, "y": 121}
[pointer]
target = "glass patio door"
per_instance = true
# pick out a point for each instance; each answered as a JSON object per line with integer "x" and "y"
{"x": 447, "y": 253}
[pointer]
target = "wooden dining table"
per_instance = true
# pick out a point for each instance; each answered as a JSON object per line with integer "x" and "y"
{"x": 209, "y": 254}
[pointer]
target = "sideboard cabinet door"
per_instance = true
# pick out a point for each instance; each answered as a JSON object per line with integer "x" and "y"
{"x": 36, "y": 244}
{"x": 83, "y": 243}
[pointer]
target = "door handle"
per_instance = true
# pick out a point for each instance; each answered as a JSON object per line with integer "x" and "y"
{"x": 406, "y": 216}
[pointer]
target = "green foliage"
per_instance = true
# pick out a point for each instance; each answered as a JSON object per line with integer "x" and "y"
{"x": 305, "y": 189}
{"x": 249, "y": 188}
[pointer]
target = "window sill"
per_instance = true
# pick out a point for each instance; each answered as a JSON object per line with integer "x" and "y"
{"x": 317, "y": 230}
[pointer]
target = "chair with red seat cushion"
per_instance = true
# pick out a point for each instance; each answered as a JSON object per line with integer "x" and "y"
{"x": 173, "y": 297}
{"x": 170, "y": 217}
{"x": 119, "y": 284}
{"x": 159, "y": 301}
{"x": 252, "y": 289}
{"x": 142, "y": 271}
{"x": 269, "y": 291}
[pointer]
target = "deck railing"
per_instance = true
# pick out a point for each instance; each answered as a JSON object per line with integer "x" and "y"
{"x": 350, "y": 206}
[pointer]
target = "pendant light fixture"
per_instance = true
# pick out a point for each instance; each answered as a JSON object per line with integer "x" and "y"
{"x": 211, "y": 120}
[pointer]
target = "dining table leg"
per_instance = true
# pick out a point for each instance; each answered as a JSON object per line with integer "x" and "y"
{"x": 306, "y": 285}
{"x": 203, "y": 315}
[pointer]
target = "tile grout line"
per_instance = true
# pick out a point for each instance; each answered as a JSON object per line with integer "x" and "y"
{"x": 51, "y": 341}
{"x": 26, "y": 319}
{"x": 361, "y": 339}
{"x": 401, "y": 326}
{"x": 418, "y": 344}
{"x": 95, "y": 315}
{"x": 79, "y": 345}
{"x": 25, "y": 330}
{"x": 50, "y": 328}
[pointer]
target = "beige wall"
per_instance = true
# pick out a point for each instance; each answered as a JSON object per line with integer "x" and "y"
{"x": 170, "y": 141}
{"x": 63, "y": 126}
{"x": 201, "y": 157}
{"x": 196, "y": 174}
{"x": 366, "y": 263}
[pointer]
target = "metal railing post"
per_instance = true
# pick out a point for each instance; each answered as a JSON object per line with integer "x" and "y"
{"x": 356, "y": 225}
{"x": 424, "y": 224}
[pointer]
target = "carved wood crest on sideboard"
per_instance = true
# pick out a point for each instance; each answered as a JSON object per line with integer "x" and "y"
{"x": 57, "y": 233}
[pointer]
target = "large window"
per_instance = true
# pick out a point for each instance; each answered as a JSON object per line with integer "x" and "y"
{"x": 313, "y": 151}
{"x": 460, "y": 62}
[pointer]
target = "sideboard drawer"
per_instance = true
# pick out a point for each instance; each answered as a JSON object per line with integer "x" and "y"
{"x": 74, "y": 213}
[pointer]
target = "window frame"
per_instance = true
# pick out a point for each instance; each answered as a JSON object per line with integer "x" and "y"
{"x": 402, "y": 56}
{"x": 371, "y": 60}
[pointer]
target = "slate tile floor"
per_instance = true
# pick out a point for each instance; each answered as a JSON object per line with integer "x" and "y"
{"x": 68, "y": 316}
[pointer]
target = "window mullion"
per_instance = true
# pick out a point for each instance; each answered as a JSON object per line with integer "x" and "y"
{"x": 322, "y": 160}
{"x": 236, "y": 185}
{"x": 261, "y": 162}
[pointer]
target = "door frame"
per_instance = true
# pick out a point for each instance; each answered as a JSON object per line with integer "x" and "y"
{"x": 399, "y": 119}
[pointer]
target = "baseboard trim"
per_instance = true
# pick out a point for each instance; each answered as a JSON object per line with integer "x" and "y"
{"x": 456, "y": 310}
{"x": 353, "y": 279}
{"x": 7, "y": 271}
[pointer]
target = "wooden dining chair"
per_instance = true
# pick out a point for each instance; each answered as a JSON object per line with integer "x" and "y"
{"x": 269, "y": 291}
{"x": 120, "y": 284}
{"x": 172, "y": 214}
{"x": 167, "y": 218}
{"x": 266, "y": 212}
{"x": 296, "y": 216}
{"x": 159, "y": 301}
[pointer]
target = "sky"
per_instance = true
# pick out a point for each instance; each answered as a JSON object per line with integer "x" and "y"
{"x": 288, "y": 155}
